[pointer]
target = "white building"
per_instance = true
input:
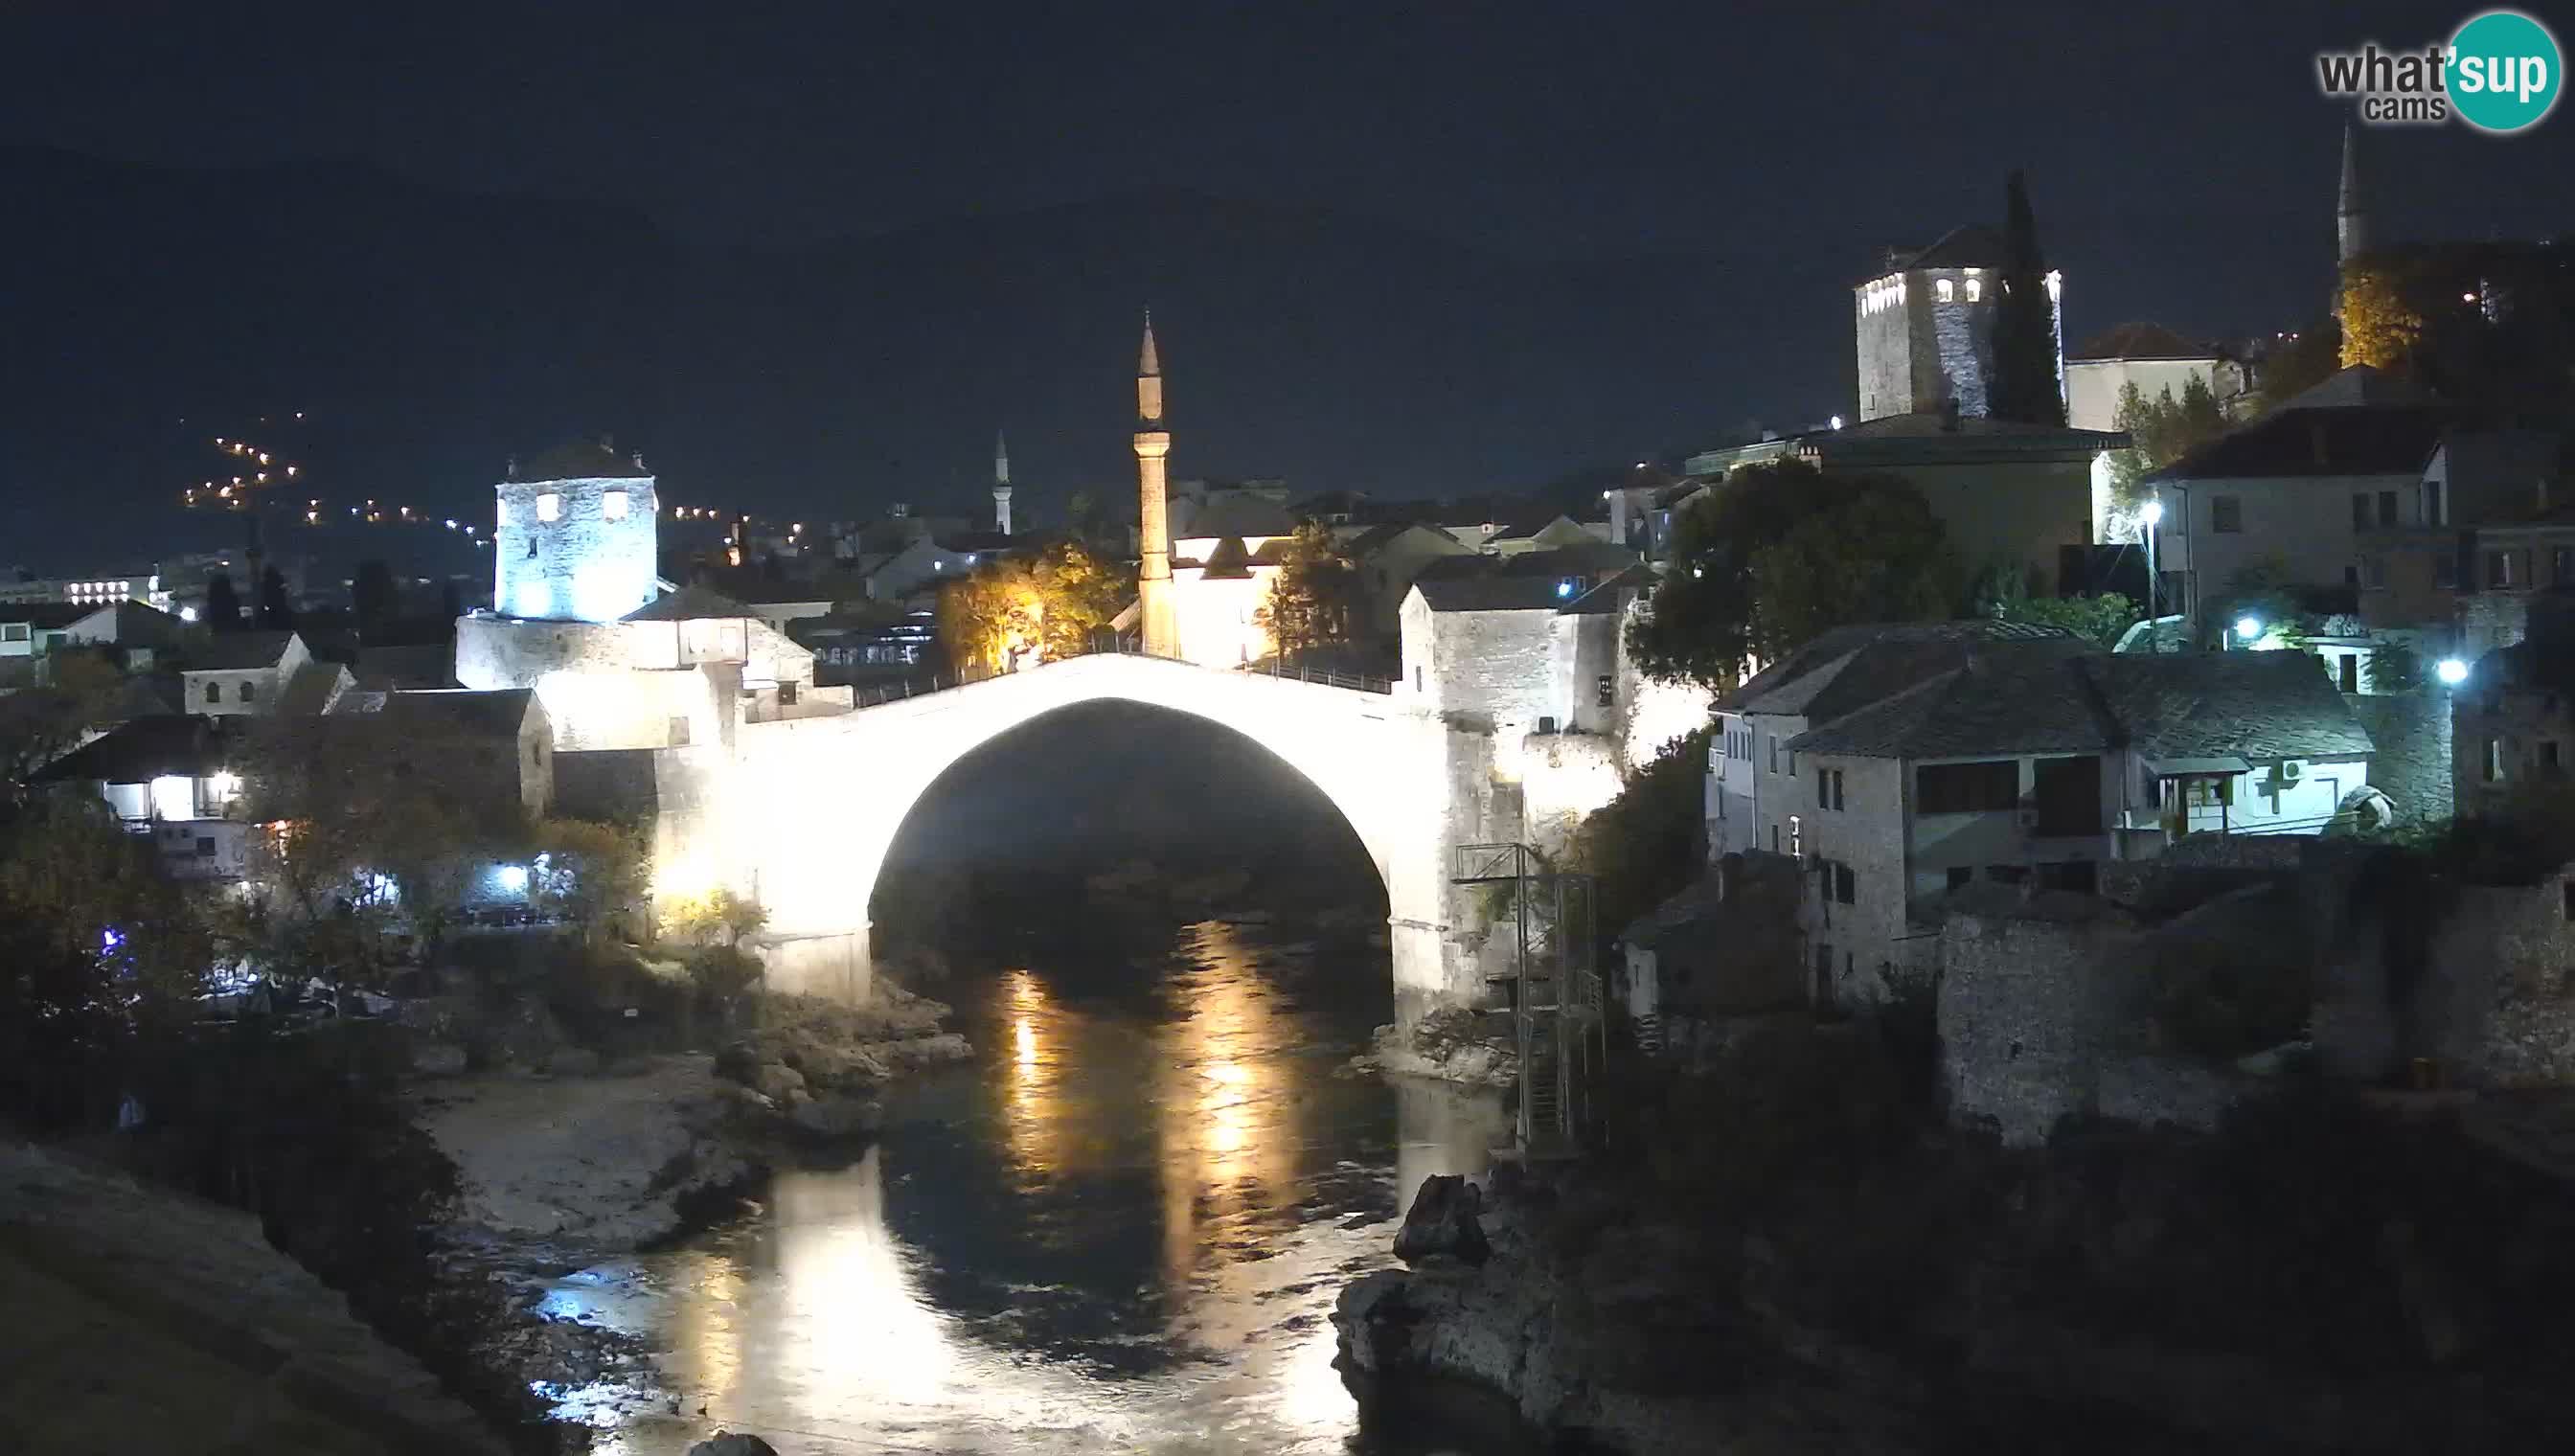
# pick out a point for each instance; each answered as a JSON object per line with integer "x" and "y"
{"x": 575, "y": 539}
{"x": 170, "y": 777}
{"x": 2149, "y": 356}
{"x": 1224, "y": 563}
{"x": 233, "y": 673}
{"x": 2028, "y": 766}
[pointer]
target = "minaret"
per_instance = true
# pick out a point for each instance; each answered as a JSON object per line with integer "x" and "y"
{"x": 1161, "y": 627}
{"x": 1001, "y": 484}
{"x": 2351, "y": 216}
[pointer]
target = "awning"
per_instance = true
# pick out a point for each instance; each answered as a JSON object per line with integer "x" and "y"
{"x": 2189, "y": 767}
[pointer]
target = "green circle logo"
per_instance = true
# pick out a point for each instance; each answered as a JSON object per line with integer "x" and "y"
{"x": 2504, "y": 71}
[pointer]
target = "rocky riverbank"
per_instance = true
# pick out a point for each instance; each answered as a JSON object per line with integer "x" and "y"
{"x": 1468, "y": 1047}
{"x": 2329, "y": 1278}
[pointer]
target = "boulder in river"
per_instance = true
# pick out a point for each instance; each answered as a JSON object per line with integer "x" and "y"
{"x": 835, "y": 1117}
{"x": 726, "y": 1443}
{"x": 437, "y": 1058}
{"x": 1443, "y": 1224}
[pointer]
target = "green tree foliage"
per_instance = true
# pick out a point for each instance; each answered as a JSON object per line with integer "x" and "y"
{"x": 1079, "y": 596}
{"x": 97, "y": 947}
{"x": 276, "y": 611}
{"x": 1702, "y": 623}
{"x": 1011, "y": 608}
{"x": 587, "y": 871}
{"x": 2381, "y": 324}
{"x": 2392, "y": 668}
{"x": 1878, "y": 555}
{"x": 1645, "y": 844}
{"x": 2162, "y": 430}
{"x": 712, "y": 917}
{"x": 1314, "y": 601}
{"x": 2100, "y": 619}
{"x": 372, "y": 600}
{"x": 41, "y": 723}
{"x": 223, "y": 612}
{"x": 2025, "y": 384}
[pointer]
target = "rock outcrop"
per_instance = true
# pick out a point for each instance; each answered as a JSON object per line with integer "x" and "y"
{"x": 733, "y": 1443}
{"x": 1453, "y": 1045}
{"x": 1443, "y": 1224}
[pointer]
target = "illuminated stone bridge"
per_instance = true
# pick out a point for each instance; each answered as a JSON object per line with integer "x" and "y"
{"x": 809, "y": 807}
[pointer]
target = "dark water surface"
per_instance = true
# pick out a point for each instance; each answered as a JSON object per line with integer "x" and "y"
{"x": 1120, "y": 1228}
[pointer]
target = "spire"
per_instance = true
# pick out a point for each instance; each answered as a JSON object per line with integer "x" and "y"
{"x": 1149, "y": 380}
{"x": 2351, "y": 214}
{"x": 1148, "y": 363}
{"x": 1001, "y": 457}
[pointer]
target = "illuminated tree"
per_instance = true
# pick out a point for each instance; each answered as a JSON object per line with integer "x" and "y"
{"x": 587, "y": 870}
{"x": 2162, "y": 430}
{"x": 1079, "y": 596}
{"x": 1315, "y": 599}
{"x": 2380, "y": 326}
{"x": 988, "y": 615}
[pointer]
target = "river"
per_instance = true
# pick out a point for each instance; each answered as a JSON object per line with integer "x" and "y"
{"x": 1120, "y": 1228}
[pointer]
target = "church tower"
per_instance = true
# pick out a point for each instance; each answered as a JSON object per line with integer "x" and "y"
{"x": 1001, "y": 484}
{"x": 1160, "y": 623}
{"x": 2351, "y": 215}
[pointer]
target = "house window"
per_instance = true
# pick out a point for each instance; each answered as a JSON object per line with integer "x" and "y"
{"x": 1975, "y": 289}
{"x": 1846, "y": 885}
{"x": 2431, "y": 502}
{"x": 2361, "y": 510}
{"x": 1823, "y": 790}
{"x": 2226, "y": 515}
{"x": 2445, "y": 572}
{"x": 678, "y": 732}
{"x": 2211, "y": 792}
{"x": 2549, "y": 765}
{"x": 1948, "y": 788}
{"x": 1797, "y": 838}
{"x": 249, "y": 691}
{"x": 2387, "y": 508}
{"x": 787, "y": 694}
{"x": 1775, "y": 838}
{"x": 2498, "y": 569}
{"x": 1417, "y": 679}
{"x": 2349, "y": 662}
{"x": 1606, "y": 691}
{"x": 2067, "y": 795}
{"x": 1838, "y": 788}
{"x": 1948, "y": 291}
{"x": 1774, "y": 753}
{"x": 612, "y": 504}
{"x": 13, "y": 630}
{"x": 2492, "y": 768}
{"x": 550, "y": 506}
{"x": 214, "y": 692}
{"x": 205, "y": 846}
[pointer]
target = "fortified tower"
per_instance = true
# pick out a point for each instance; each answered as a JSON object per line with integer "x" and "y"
{"x": 1160, "y": 623}
{"x": 576, "y": 540}
{"x": 1001, "y": 484}
{"x": 1925, "y": 325}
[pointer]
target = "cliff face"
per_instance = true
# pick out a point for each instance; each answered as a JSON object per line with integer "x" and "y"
{"x": 2320, "y": 1278}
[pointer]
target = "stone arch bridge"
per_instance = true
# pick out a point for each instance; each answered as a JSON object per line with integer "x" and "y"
{"x": 806, "y": 808}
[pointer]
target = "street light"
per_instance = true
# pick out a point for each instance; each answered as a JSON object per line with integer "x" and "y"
{"x": 2154, "y": 516}
{"x": 2452, "y": 671}
{"x": 2248, "y": 627}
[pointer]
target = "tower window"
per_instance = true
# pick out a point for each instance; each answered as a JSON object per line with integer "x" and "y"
{"x": 550, "y": 506}
{"x": 1975, "y": 289}
{"x": 613, "y": 504}
{"x": 1948, "y": 291}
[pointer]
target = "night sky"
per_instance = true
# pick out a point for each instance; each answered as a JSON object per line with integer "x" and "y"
{"x": 1741, "y": 166}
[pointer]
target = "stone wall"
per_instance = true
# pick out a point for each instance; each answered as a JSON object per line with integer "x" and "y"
{"x": 583, "y": 564}
{"x": 1493, "y": 667}
{"x": 2029, "y": 1010}
{"x": 2412, "y": 762}
{"x": 2499, "y": 1006}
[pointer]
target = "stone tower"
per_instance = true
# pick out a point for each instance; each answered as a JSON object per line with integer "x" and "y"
{"x": 1155, "y": 608}
{"x": 577, "y": 535}
{"x": 1001, "y": 484}
{"x": 1924, "y": 326}
{"x": 2351, "y": 215}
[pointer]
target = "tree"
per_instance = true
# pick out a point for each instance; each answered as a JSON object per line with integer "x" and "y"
{"x": 1079, "y": 596}
{"x": 587, "y": 870}
{"x": 1876, "y": 556}
{"x": 2381, "y": 326}
{"x": 2297, "y": 364}
{"x": 223, "y": 604}
{"x": 990, "y": 616}
{"x": 2101, "y": 619}
{"x": 1646, "y": 844}
{"x": 275, "y": 610}
{"x": 2025, "y": 387}
{"x": 41, "y": 723}
{"x": 2161, "y": 431}
{"x": 1701, "y": 622}
{"x": 716, "y": 916}
{"x": 371, "y": 600}
{"x": 1315, "y": 599}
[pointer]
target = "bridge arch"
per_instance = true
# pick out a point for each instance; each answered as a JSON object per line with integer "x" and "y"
{"x": 816, "y": 803}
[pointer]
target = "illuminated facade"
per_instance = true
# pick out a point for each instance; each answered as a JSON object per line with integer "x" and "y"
{"x": 576, "y": 540}
{"x": 1924, "y": 326}
{"x": 1155, "y": 608}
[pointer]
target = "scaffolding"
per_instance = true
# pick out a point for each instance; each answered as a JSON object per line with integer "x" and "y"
{"x": 1551, "y": 989}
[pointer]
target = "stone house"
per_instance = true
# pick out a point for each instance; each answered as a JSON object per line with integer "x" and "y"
{"x": 1725, "y": 946}
{"x": 2151, "y": 357}
{"x": 2513, "y": 722}
{"x": 576, "y": 536}
{"x": 1389, "y": 558}
{"x": 497, "y": 744}
{"x": 2032, "y": 766}
{"x": 235, "y": 673}
{"x": 168, "y": 776}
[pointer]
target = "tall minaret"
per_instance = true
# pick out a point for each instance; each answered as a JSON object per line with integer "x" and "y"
{"x": 2351, "y": 216}
{"x": 1000, "y": 483}
{"x": 1161, "y": 627}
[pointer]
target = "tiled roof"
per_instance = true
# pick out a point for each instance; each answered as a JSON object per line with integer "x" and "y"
{"x": 311, "y": 687}
{"x": 1488, "y": 594}
{"x": 580, "y": 460}
{"x": 1237, "y": 513}
{"x": 1590, "y": 559}
{"x": 147, "y": 748}
{"x": 236, "y": 651}
{"x": 2255, "y": 706}
{"x": 2372, "y": 440}
{"x": 1883, "y": 658}
{"x": 689, "y": 603}
{"x": 421, "y": 664}
{"x": 497, "y": 711}
{"x": 1972, "y": 246}
{"x": 46, "y": 616}
{"x": 2141, "y": 341}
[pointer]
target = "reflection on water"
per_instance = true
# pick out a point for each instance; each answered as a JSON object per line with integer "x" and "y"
{"x": 1122, "y": 1229}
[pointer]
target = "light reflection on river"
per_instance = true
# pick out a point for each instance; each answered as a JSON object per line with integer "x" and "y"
{"x": 1121, "y": 1228}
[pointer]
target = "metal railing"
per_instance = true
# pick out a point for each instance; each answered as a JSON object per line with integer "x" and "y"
{"x": 907, "y": 687}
